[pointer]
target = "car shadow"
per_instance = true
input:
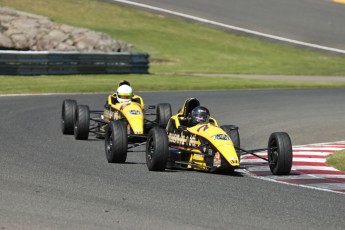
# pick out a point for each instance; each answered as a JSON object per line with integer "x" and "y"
{"x": 133, "y": 163}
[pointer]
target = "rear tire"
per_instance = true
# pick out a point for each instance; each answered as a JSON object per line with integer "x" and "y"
{"x": 82, "y": 123}
{"x": 157, "y": 149}
{"x": 232, "y": 131}
{"x": 163, "y": 114}
{"x": 280, "y": 158}
{"x": 116, "y": 141}
{"x": 69, "y": 109}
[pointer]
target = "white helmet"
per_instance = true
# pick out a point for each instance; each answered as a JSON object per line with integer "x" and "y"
{"x": 124, "y": 93}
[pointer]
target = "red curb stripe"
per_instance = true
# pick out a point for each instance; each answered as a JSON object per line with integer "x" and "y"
{"x": 308, "y": 156}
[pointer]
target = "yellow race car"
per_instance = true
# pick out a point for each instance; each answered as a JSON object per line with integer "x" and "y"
{"x": 123, "y": 125}
{"x": 194, "y": 140}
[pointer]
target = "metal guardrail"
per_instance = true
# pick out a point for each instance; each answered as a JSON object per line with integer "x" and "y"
{"x": 56, "y": 62}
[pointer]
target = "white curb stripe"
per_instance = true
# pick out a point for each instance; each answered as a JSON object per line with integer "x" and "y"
{"x": 333, "y": 181}
{"x": 320, "y": 149}
{"x": 317, "y": 168}
{"x": 307, "y": 167}
{"x": 311, "y": 154}
{"x": 253, "y": 161}
{"x": 335, "y": 176}
{"x": 295, "y": 159}
{"x": 310, "y": 160}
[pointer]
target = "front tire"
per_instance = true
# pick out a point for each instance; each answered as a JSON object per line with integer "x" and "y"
{"x": 69, "y": 110}
{"x": 157, "y": 149}
{"x": 82, "y": 123}
{"x": 163, "y": 114}
{"x": 280, "y": 153}
{"x": 116, "y": 141}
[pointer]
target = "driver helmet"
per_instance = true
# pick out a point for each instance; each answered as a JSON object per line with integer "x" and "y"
{"x": 124, "y": 82}
{"x": 200, "y": 115}
{"x": 124, "y": 93}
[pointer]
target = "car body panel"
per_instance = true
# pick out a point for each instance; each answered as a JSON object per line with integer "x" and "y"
{"x": 189, "y": 140}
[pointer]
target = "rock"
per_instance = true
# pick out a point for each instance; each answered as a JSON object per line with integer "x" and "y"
{"x": 56, "y": 37}
{"x": 5, "y": 41}
{"x": 25, "y": 31}
{"x": 20, "y": 41}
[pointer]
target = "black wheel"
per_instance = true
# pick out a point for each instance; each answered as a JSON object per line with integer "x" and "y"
{"x": 157, "y": 149}
{"x": 163, "y": 114}
{"x": 116, "y": 141}
{"x": 69, "y": 109}
{"x": 280, "y": 153}
{"x": 232, "y": 131}
{"x": 82, "y": 123}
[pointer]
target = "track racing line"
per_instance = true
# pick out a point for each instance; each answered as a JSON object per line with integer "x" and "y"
{"x": 309, "y": 168}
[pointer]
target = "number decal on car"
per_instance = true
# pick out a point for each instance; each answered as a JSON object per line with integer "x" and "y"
{"x": 204, "y": 127}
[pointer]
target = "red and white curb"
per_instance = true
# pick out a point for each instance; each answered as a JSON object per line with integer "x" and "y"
{"x": 309, "y": 168}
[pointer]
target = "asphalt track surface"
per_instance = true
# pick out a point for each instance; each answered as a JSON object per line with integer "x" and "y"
{"x": 319, "y": 22}
{"x": 51, "y": 181}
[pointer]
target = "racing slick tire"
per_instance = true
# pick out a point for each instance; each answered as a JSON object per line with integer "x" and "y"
{"x": 157, "y": 149}
{"x": 280, "y": 153}
{"x": 82, "y": 123}
{"x": 163, "y": 114}
{"x": 116, "y": 141}
{"x": 232, "y": 131}
{"x": 69, "y": 109}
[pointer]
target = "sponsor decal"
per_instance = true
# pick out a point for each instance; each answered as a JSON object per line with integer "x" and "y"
{"x": 110, "y": 115}
{"x": 217, "y": 161}
{"x": 223, "y": 137}
{"x": 116, "y": 115}
{"x": 233, "y": 160}
{"x": 134, "y": 112}
{"x": 186, "y": 140}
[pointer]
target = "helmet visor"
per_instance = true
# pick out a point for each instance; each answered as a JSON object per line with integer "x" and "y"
{"x": 201, "y": 117}
{"x": 125, "y": 96}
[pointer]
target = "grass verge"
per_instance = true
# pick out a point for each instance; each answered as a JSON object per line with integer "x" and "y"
{"x": 107, "y": 83}
{"x": 337, "y": 160}
{"x": 177, "y": 50}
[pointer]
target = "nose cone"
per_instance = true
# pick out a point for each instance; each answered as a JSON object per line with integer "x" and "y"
{"x": 229, "y": 153}
{"x": 137, "y": 125}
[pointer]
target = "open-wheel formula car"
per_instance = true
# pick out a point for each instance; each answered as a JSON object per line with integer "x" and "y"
{"x": 123, "y": 125}
{"x": 193, "y": 140}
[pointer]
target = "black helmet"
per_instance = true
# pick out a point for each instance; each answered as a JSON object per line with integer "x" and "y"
{"x": 124, "y": 82}
{"x": 200, "y": 114}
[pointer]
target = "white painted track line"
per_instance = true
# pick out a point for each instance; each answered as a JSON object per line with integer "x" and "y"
{"x": 233, "y": 28}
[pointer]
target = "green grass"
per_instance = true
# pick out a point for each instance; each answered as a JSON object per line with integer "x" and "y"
{"x": 177, "y": 50}
{"x": 337, "y": 160}
{"x": 108, "y": 83}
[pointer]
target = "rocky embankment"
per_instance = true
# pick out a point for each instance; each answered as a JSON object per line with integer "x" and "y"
{"x": 24, "y": 31}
